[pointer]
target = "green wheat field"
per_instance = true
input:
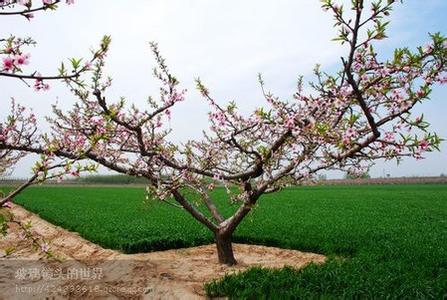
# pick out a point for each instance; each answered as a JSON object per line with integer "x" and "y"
{"x": 384, "y": 241}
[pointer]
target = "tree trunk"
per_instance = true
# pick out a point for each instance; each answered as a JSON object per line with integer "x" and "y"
{"x": 225, "y": 249}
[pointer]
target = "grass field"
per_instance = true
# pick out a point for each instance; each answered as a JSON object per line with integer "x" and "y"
{"x": 383, "y": 241}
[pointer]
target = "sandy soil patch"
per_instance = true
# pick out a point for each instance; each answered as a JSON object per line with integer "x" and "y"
{"x": 89, "y": 271}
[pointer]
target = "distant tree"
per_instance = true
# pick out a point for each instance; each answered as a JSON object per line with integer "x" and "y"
{"x": 362, "y": 175}
{"x": 352, "y": 118}
{"x": 322, "y": 177}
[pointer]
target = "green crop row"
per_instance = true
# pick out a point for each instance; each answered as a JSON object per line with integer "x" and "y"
{"x": 383, "y": 241}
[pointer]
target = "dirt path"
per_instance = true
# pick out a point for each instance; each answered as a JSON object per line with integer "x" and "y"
{"x": 89, "y": 271}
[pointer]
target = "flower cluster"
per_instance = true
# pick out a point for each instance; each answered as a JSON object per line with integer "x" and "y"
{"x": 39, "y": 85}
{"x": 19, "y": 129}
{"x": 14, "y": 63}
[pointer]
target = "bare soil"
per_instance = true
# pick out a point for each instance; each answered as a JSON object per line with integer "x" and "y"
{"x": 88, "y": 271}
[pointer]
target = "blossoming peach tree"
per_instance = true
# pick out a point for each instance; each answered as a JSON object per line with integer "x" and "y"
{"x": 350, "y": 119}
{"x": 20, "y": 127}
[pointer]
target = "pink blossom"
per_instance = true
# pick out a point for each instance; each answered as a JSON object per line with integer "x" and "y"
{"x": 44, "y": 247}
{"x": 24, "y": 2}
{"x": 177, "y": 97}
{"x": 389, "y": 136}
{"x": 32, "y": 118}
{"x": 428, "y": 49}
{"x": 385, "y": 71}
{"x": 22, "y": 235}
{"x": 424, "y": 145}
{"x": 70, "y": 2}
{"x": 22, "y": 59}
{"x": 420, "y": 93}
{"x": 98, "y": 121}
{"x": 346, "y": 140}
{"x": 37, "y": 85}
{"x": 418, "y": 155}
{"x": 217, "y": 177}
{"x": 349, "y": 132}
{"x": 219, "y": 118}
{"x": 8, "y": 64}
{"x": 40, "y": 85}
{"x": 396, "y": 95}
{"x": 7, "y": 204}
{"x": 290, "y": 122}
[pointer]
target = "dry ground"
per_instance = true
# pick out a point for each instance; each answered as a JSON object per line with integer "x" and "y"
{"x": 89, "y": 271}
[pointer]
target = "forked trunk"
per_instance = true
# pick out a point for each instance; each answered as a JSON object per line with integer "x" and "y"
{"x": 225, "y": 249}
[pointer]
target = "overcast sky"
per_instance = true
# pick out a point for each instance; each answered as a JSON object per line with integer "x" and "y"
{"x": 226, "y": 43}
